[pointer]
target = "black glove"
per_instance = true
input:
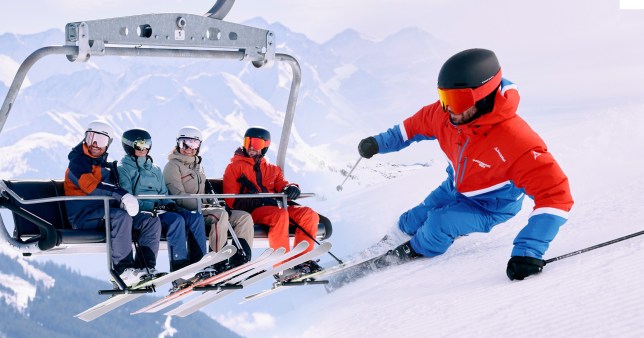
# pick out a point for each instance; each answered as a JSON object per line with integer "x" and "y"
{"x": 368, "y": 147}
{"x": 172, "y": 207}
{"x": 520, "y": 267}
{"x": 292, "y": 192}
{"x": 267, "y": 202}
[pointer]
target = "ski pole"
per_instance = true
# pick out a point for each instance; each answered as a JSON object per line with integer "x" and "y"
{"x": 574, "y": 253}
{"x": 313, "y": 238}
{"x": 236, "y": 239}
{"x": 339, "y": 188}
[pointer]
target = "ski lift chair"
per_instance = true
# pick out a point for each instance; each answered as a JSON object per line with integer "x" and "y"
{"x": 38, "y": 206}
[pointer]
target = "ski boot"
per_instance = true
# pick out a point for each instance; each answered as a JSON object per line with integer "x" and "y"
{"x": 402, "y": 253}
{"x": 297, "y": 271}
{"x": 207, "y": 272}
{"x": 180, "y": 284}
{"x": 130, "y": 276}
{"x": 150, "y": 274}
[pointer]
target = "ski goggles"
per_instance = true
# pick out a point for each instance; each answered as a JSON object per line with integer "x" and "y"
{"x": 461, "y": 99}
{"x": 142, "y": 145}
{"x": 256, "y": 143}
{"x": 191, "y": 143}
{"x": 96, "y": 139}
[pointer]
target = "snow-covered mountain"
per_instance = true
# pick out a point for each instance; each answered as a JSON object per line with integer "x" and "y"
{"x": 348, "y": 82}
{"x": 40, "y": 300}
{"x": 19, "y": 280}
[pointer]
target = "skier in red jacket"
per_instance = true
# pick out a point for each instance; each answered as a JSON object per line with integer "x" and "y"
{"x": 495, "y": 159}
{"x": 249, "y": 173}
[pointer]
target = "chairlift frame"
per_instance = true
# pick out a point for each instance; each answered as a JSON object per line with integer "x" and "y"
{"x": 173, "y": 35}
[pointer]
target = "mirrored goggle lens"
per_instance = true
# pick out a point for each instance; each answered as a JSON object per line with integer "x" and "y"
{"x": 457, "y": 100}
{"x": 142, "y": 144}
{"x": 96, "y": 139}
{"x": 189, "y": 143}
{"x": 255, "y": 143}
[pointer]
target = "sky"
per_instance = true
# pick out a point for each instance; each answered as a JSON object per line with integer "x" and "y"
{"x": 575, "y": 45}
{"x": 548, "y": 21}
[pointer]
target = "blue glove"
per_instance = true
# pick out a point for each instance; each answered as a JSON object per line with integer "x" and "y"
{"x": 520, "y": 267}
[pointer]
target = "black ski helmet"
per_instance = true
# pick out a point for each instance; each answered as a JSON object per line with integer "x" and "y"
{"x": 476, "y": 69}
{"x": 261, "y": 133}
{"x": 133, "y": 135}
{"x": 470, "y": 68}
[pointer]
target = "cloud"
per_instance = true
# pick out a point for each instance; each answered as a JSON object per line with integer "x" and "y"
{"x": 246, "y": 322}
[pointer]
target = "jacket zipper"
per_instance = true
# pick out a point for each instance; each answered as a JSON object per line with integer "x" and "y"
{"x": 461, "y": 165}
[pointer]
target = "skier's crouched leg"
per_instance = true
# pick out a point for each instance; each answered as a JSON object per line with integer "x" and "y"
{"x": 411, "y": 220}
{"x": 445, "y": 224}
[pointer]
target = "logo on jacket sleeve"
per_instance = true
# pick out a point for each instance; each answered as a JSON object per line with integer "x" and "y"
{"x": 499, "y": 152}
{"x": 535, "y": 154}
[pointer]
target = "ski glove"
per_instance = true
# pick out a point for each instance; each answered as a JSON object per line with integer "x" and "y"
{"x": 130, "y": 204}
{"x": 292, "y": 192}
{"x": 520, "y": 267}
{"x": 368, "y": 147}
{"x": 172, "y": 207}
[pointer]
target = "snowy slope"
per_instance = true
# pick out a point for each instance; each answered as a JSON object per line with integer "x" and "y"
{"x": 18, "y": 283}
{"x": 465, "y": 292}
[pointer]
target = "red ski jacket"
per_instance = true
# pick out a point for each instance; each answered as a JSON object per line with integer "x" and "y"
{"x": 244, "y": 176}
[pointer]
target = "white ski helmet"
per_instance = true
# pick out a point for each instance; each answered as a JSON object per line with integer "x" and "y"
{"x": 190, "y": 133}
{"x": 100, "y": 127}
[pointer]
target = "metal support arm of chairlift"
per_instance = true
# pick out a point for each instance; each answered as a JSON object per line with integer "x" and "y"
{"x": 165, "y": 35}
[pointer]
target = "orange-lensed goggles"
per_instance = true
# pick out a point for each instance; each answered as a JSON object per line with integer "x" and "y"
{"x": 460, "y": 99}
{"x": 256, "y": 143}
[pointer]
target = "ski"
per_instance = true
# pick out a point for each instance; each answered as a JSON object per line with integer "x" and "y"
{"x": 119, "y": 300}
{"x": 350, "y": 272}
{"x": 307, "y": 279}
{"x": 209, "y": 297}
{"x": 341, "y": 274}
{"x": 178, "y": 295}
{"x": 233, "y": 283}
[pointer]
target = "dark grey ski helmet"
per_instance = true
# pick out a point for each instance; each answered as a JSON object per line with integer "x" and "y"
{"x": 261, "y": 133}
{"x": 470, "y": 68}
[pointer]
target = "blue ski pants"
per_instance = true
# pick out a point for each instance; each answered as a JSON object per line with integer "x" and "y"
{"x": 435, "y": 223}
{"x": 179, "y": 225}
{"x": 122, "y": 225}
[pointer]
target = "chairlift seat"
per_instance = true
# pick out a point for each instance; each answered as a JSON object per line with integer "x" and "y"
{"x": 54, "y": 214}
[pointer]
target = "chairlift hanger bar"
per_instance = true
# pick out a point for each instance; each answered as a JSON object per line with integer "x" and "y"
{"x": 170, "y": 30}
